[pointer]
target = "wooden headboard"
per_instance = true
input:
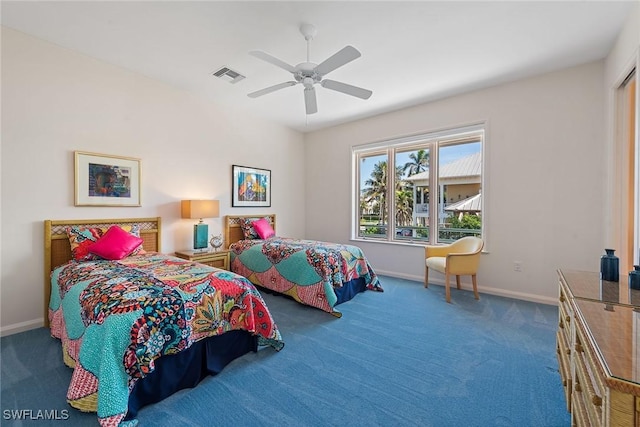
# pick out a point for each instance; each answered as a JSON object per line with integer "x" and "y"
{"x": 57, "y": 249}
{"x": 233, "y": 231}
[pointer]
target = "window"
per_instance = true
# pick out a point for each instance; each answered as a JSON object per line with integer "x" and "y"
{"x": 421, "y": 189}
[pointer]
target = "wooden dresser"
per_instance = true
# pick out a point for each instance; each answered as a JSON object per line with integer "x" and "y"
{"x": 598, "y": 349}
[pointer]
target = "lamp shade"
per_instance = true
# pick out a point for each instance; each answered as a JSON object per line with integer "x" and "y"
{"x": 198, "y": 209}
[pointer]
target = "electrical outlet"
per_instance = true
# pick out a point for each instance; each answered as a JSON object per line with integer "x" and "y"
{"x": 517, "y": 266}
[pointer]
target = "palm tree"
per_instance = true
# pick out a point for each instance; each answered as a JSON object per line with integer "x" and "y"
{"x": 404, "y": 206}
{"x": 376, "y": 188}
{"x": 419, "y": 162}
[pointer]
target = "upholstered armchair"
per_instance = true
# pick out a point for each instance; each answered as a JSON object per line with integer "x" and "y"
{"x": 461, "y": 257}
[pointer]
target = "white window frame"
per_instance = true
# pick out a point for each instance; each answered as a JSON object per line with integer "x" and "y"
{"x": 432, "y": 141}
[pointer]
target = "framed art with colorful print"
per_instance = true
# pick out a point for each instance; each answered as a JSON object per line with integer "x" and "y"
{"x": 250, "y": 187}
{"x": 106, "y": 180}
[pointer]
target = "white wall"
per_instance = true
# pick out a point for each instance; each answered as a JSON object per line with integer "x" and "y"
{"x": 55, "y": 101}
{"x": 543, "y": 179}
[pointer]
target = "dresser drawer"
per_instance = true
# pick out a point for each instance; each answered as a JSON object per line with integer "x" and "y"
{"x": 218, "y": 259}
{"x": 589, "y": 383}
{"x": 564, "y": 365}
{"x": 579, "y": 413}
{"x": 564, "y": 323}
{"x": 218, "y": 263}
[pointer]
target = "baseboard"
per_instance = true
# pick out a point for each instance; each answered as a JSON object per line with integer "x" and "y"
{"x": 469, "y": 287}
{"x": 21, "y": 327}
{"x": 400, "y": 275}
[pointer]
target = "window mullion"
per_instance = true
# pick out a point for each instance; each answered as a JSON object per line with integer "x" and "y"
{"x": 391, "y": 194}
{"x": 434, "y": 192}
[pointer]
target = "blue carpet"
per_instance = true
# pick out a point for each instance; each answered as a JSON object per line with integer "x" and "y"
{"x": 399, "y": 358}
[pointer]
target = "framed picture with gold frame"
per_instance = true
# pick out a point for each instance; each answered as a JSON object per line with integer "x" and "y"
{"x": 250, "y": 187}
{"x": 106, "y": 180}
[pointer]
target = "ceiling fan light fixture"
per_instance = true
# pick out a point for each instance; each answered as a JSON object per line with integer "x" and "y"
{"x": 308, "y": 82}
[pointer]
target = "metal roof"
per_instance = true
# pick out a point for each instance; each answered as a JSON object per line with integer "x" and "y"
{"x": 469, "y": 166}
{"x": 471, "y": 204}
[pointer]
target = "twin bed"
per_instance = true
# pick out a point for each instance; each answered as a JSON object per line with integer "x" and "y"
{"x": 137, "y": 329}
{"x": 314, "y": 273}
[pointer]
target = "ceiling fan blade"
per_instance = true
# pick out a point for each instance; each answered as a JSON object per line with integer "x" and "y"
{"x": 310, "y": 100}
{"x": 345, "y": 88}
{"x": 272, "y": 60}
{"x": 338, "y": 59}
{"x": 271, "y": 89}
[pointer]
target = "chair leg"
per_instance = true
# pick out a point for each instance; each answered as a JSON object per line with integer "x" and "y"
{"x": 426, "y": 276}
{"x": 458, "y": 281}
{"x": 447, "y": 291}
{"x": 475, "y": 286}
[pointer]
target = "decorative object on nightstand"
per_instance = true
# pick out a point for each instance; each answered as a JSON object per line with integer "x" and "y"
{"x": 199, "y": 209}
{"x": 216, "y": 242}
{"x": 220, "y": 259}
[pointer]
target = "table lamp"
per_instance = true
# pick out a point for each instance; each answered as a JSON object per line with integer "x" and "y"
{"x": 199, "y": 209}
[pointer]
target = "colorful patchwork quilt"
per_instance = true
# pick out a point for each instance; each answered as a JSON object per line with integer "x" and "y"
{"x": 307, "y": 270}
{"x": 115, "y": 318}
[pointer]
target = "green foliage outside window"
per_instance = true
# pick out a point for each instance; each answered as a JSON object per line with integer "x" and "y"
{"x": 468, "y": 221}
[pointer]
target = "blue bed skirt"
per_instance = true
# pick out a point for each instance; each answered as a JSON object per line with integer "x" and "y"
{"x": 350, "y": 289}
{"x": 187, "y": 368}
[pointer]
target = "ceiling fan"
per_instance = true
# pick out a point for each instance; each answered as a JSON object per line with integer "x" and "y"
{"x": 308, "y": 74}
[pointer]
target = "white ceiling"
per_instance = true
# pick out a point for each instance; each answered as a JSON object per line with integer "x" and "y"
{"x": 412, "y": 52}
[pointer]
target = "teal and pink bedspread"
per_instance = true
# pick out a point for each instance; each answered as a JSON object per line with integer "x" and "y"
{"x": 115, "y": 318}
{"x": 309, "y": 271}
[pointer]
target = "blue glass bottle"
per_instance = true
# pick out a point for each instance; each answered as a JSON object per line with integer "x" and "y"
{"x": 609, "y": 266}
{"x": 634, "y": 277}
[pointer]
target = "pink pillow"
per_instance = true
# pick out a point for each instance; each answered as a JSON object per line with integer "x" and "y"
{"x": 115, "y": 244}
{"x": 263, "y": 228}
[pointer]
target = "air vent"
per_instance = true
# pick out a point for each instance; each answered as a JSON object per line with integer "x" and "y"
{"x": 228, "y": 74}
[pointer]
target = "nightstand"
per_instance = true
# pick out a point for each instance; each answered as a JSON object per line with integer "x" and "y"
{"x": 219, "y": 259}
